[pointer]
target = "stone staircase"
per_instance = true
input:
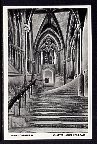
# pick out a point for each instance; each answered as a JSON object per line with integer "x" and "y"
{"x": 57, "y": 110}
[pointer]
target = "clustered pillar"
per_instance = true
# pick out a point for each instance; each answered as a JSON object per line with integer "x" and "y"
{"x": 73, "y": 52}
{"x": 19, "y": 49}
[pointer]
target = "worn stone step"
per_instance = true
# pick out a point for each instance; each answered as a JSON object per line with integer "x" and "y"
{"x": 59, "y": 96}
{"x": 59, "y": 99}
{"x": 67, "y": 93}
{"x": 47, "y": 130}
{"x": 63, "y": 93}
{"x": 57, "y": 118}
{"x": 59, "y": 106}
{"x": 56, "y": 123}
{"x": 58, "y": 113}
{"x": 51, "y": 99}
{"x": 76, "y": 97}
{"x": 74, "y": 106}
{"x": 56, "y": 95}
{"x": 60, "y": 125}
{"x": 53, "y": 102}
{"x": 70, "y": 109}
{"x": 64, "y": 105}
{"x": 56, "y": 104}
{"x": 67, "y": 116}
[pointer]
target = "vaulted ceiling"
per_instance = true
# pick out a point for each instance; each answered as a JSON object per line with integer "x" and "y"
{"x": 50, "y": 22}
{"x": 49, "y": 27}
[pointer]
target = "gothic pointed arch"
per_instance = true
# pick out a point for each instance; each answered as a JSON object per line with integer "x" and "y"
{"x": 53, "y": 26}
{"x": 53, "y": 35}
{"x": 51, "y": 40}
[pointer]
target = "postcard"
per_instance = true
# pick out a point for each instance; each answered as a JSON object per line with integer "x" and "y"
{"x": 47, "y": 72}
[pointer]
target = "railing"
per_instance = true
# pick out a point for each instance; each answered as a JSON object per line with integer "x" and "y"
{"x": 17, "y": 99}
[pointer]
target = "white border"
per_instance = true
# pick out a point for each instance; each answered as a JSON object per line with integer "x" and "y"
{"x": 36, "y": 136}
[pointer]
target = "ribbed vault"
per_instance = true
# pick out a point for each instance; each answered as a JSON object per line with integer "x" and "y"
{"x": 49, "y": 27}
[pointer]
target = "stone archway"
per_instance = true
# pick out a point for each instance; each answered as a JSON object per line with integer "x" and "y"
{"x": 48, "y": 77}
{"x": 50, "y": 53}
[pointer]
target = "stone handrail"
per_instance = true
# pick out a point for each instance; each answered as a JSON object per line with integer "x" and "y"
{"x": 21, "y": 93}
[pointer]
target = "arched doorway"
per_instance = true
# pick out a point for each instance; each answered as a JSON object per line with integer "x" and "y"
{"x": 48, "y": 77}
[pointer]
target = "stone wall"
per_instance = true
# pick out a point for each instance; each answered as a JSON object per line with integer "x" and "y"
{"x": 85, "y": 45}
{"x": 85, "y": 55}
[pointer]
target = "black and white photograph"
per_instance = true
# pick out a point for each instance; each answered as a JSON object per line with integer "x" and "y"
{"x": 47, "y": 72}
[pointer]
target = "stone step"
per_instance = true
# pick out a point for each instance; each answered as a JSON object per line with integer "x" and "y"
{"x": 82, "y": 105}
{"x": 69, "y": 89}
{"x": 56, "y": 123}
{"x": 66, "y": 92}
{"x": 58, "y": 113}
{"x": 60, "y": 125}
{"x": 56, "y": 107}
{"x": 53, "y": 101}
{"x": 47, "y": 106}
{"x": 63, "y": 93}
{"x": 59, "y": 96}
{"x": 68, "y": 101}
{"x": 53, "y": 98}
{"x": 57, "y": 118}
{"x": 61, "y": 102}
{"x": 68, "y": 116}
{"x": 47, "y": 130}
{"x": 56, "y": 104}
{"x": 59, "y": 110}
{"x": 74, "y": 106}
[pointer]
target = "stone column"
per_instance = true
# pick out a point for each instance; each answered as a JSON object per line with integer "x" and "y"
{"x": 41, "y": 57}
{"x": 26, "y": 29}
{"x": 25, "y": 59}
{"x": 80, "y": 50}
{"x": 20, "y": 61}
{"x": 78, "y": 55}
{"x": 81, "y": 76}
{"x": 59, "y": 63}
{"x": 15, "y": 58}
{"x": 38, "y": 62}
{"x": 15, "y": 30}
{"x": 64, "y": 62}
{"x": 54, "y": 57}
{"x": 10, "y": 53}
{"x": 22, "y": 42}
{"x": 20, "y": 48}
{"x": 30, "y": 53}
{"x": 72, "y": 65}
{"x": 20, "y": 36}
{"x": 67, "y": 55}
{"x": 75, "y": 65}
